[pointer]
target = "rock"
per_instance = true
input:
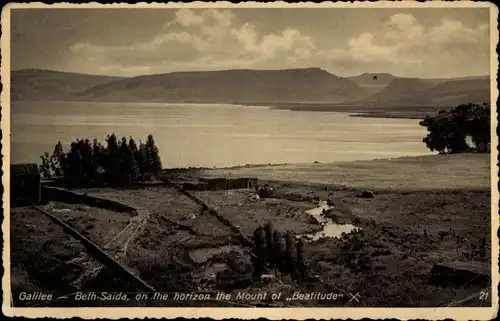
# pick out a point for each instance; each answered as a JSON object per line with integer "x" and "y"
{"x": 367, "y": 194}
{"x": 459, "y": 273}
{"x": 266, "y": 278}
{"x": 265, "y": 191}
{"x": 255, "y": 197}
{"x": 313, "y": 220}
{"x": 315, "y": 277}
{"x": 29, "y": 226}
{"x": 329, "y": 202}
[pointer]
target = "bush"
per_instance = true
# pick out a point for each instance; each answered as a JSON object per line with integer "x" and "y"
{"x": 89, "y": 164}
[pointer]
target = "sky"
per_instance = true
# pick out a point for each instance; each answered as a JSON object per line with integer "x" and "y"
{"x": 418, "y": 42}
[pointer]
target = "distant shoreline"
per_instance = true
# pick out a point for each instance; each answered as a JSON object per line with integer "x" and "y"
{"x": 263, "y": 165}
{"x": 401, "y": 112}
{"x": 389, "y": 112}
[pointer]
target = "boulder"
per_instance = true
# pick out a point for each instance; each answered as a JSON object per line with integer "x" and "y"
{"x": 266, "y": 191}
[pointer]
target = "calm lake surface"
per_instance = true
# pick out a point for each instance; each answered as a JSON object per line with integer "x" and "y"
{"x": 213, "y": 134}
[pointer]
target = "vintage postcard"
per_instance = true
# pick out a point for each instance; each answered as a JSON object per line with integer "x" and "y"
{"x": 275, "y": 160}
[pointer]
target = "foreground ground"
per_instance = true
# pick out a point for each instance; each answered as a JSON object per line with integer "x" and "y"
{"x": 426, "y": 210}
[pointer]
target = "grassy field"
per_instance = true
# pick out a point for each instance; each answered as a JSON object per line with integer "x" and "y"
{"x": 404, "y": 173}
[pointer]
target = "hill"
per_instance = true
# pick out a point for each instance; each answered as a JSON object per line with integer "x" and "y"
{"x": 372, "y": 83}
{"x": 251, "y": 86}
{"x": 37, "y": 84}
{"x": 431, "y": 92}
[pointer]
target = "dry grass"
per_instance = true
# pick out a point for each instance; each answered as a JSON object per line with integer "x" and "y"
{"x": 408, "y": 173}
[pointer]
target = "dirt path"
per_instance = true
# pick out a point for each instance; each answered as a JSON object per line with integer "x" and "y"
{"x": 116, "y": 248}
{"x": 119, "y": 243}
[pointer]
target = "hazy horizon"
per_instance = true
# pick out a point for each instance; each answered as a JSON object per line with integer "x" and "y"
{"x": 405, "y": 42}
{"x": 253, "y": 69}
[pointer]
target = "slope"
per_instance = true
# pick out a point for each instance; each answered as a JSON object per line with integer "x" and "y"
{"x": 38, "y": 84}
{"x": 431, "y": 92}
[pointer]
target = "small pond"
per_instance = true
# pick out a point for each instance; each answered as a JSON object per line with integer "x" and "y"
{"x": 330, "y": 228}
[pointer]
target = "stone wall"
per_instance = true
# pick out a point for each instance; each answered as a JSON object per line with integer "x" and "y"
{"x": 50, "y": 193}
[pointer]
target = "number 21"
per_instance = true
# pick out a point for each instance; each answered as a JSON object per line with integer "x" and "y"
{"x": 483, "y": 296}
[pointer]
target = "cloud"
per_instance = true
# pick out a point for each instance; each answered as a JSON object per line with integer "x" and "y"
{"x": 215, "y": 39}
{"x": 200, "y": 40}
{"x": 404, "y": 46}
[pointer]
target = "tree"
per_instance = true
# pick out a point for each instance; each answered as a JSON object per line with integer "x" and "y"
{"x": 90, "y": 163}
{"x": 480, "y": 127}
{"x": 128, "y": 166}
{"x": 99, "y": 159}
{"x": 52, "y": 164}
{"x": 133, "y": 146}
{"x": 45, "y": 168}
{"x": 301, "y": 264}
{"x": 153, "y": 161}
{"x": 289, "y": 258}
{"x": 447, "y": 131}
{"x": 112, "y": 162}
{"x": 279, "y": 252}
{"x": 269, "y": 230}
{"x": 259, "y": 251}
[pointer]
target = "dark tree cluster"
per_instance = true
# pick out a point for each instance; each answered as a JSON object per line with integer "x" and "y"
{"x": 278, "y": 253}
{"x": 92, "y": 163}
{"x": 448, "y": 130}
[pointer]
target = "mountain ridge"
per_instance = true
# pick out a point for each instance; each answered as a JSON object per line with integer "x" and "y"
{"x": 300, "y": 85}
{"x": 249, "y": 85}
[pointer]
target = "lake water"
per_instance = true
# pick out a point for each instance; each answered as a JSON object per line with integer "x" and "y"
{"x": 213, "y": 134}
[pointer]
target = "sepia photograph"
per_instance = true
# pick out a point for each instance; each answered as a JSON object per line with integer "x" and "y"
{"x": 324, "y": 158}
